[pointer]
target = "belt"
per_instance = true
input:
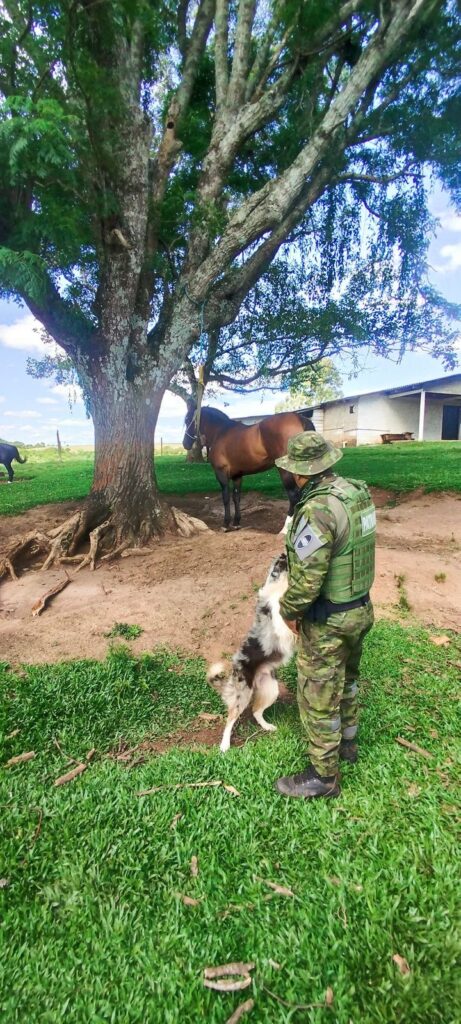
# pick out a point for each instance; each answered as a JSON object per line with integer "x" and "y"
{"x": 332, "y": 607}
{"x": 322, "y": 608}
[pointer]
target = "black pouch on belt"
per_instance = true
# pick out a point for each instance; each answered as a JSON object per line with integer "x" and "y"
{"x": 322, "y": 608}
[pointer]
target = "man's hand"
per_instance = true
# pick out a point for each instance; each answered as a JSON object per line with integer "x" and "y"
{"x": 293, "y": 625}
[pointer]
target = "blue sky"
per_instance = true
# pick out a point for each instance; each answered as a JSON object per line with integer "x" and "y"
{"x": 32, "y": 410}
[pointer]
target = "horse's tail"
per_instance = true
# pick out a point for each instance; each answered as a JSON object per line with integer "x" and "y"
{"x": 305, "y": 419}
{"x": 18, "y": 457}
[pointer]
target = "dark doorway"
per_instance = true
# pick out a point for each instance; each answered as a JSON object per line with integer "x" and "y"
{"x": 450, "y": 423}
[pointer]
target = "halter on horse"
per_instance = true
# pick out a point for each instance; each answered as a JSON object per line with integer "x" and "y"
{"x": 236, "y": 450}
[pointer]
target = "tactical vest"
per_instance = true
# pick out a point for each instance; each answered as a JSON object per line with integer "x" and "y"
{"x": 352, "y": 569}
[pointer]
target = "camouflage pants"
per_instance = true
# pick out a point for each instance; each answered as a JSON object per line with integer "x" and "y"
{"x": 328, "y": 668}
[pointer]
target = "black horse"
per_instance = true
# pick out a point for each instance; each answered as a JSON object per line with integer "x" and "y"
{"x": 8, "y": 452}
{"x": 236, "y": 450}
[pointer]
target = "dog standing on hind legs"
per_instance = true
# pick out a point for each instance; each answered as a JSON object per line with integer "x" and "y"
{"x": 268, "y": 644}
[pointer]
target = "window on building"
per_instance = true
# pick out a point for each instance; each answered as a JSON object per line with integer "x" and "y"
{"x": 352, "y": 408}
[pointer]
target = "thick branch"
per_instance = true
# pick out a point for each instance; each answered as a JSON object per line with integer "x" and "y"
{"x": 170, "y": 145}
{"x": 236, "y": 91}
{"x": 375, "y": 179}
{"x": 265, "y": 209}
{"x": 196, "y": 46}
{"x": 66, "y": 325}
{"x": 239, "y": 282}
{"x": 177, "y": 389}
{"x": 221, "y": 42}
{"x": 182, "y": 27}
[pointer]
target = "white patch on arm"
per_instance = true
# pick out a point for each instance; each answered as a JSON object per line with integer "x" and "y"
{"x": 307, "y": 541}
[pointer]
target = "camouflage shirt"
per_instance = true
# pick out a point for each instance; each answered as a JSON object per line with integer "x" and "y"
{"x": 309, "y": 550}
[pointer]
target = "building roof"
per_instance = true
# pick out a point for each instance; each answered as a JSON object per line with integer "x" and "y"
{"x": 424, "y": 385}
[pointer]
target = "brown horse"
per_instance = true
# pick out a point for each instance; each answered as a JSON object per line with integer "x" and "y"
{"x": 235, "y": 450}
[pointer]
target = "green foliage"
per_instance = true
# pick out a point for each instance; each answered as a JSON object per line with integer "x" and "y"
{"x": 312, "y": 385}
{"x": 94, "y": 925}
{"x": 21, "y": 273}
{"x": 397, "y": 467}
{"x": 65, "y": 113}
{"x": 126, "y": 630}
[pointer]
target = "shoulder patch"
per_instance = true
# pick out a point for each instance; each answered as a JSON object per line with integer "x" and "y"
{"x": 307, "y": 541}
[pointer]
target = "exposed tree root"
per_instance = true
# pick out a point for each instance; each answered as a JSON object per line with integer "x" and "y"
{"x": 106, "y": 542}
{"x": 33, "y": 543}
{"x": 187, "y": 525}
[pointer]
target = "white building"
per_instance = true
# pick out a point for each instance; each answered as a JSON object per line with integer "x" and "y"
{"x": 430, "y": 411}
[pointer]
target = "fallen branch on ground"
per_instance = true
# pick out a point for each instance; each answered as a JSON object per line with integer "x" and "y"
{"x": 228, "y": 985}
{"x": 239, "y": 1012}
{"x": 228, "y": 977}
{"x": 40, "y": 604}
{"x": 413, "y": 746}
{"x": 226, "y": 969}
{"x": 281, "y": 890}
{"x": 70, "y": 776}
{"x": 20, "y": 758}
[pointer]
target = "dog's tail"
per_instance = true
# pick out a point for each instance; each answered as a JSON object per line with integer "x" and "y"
{"x": 217, "y": 675}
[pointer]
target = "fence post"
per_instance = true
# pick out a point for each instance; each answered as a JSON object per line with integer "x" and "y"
{"x": 161, "y": 446}
{"x": 58, "y": 439}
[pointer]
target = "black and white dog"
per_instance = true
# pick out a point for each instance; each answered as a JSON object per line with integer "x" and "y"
{"x": 269, "y": 643}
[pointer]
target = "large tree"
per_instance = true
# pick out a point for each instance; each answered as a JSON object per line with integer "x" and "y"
{"x": 156, "y": 157}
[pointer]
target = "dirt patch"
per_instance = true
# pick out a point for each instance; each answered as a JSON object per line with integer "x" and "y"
{"x": 198, "y": 594}
{"x": 197, "y": 734}
{"x": 204, "y": 731}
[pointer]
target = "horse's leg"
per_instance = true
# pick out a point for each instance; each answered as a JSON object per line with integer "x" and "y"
{"x": 223, "y": 480}
{"x": 236, "y": 496}
{"x": 289, "y": 485}
{"x": 10, "y": 472}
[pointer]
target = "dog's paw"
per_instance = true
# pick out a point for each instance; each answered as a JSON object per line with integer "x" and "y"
{"x": 264, "y": 725}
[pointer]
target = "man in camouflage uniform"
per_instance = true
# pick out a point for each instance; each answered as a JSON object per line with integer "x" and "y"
{"x": 330, "y": 550}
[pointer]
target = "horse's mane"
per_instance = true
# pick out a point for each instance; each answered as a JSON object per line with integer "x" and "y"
{"x": 216, "y": 416}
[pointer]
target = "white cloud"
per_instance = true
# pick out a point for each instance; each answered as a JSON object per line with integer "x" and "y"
{"x": 2, "y": 398}
{"x": 451, "y": 253}
{"x": 24, "y": 412}
{"x": 70, "y": 422}
{"x": 71, "y": 392}
{"x": 47, "y": 401}
{"x": 451, "y": 222}
{"x": 172, "y": 405}
{"x": 25, "y": 334}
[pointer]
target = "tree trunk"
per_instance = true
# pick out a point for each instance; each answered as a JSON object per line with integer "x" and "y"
{"x": 124, "y": 485}
{"x": 196, "y": 452}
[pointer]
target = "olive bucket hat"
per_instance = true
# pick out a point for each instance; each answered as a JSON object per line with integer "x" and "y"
{"x": 309, "y": 453}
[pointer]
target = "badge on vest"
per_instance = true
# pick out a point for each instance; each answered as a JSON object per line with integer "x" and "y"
{"x": 307, "y": 541}
{"x": 368, "y": 522}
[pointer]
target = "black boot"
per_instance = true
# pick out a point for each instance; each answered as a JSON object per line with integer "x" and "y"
{"x": 308, "y": 784}
{"x": 348, "y": 751}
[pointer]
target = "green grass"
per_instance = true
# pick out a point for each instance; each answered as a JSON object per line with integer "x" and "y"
{"x": 125, "y": 630}
{"x": 398, "y": 467}
{"x": 93, "y": 929}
